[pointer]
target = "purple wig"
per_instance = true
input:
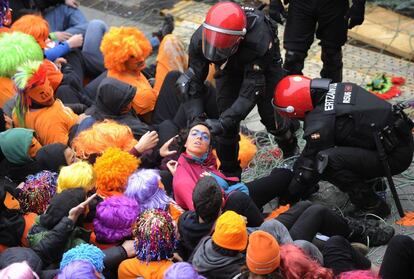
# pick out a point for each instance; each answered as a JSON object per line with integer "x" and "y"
{"x": 114, "y": 219}
{"x": 143, "y": 186}
{"x": 78, "y": 269}
{"x": 182, "y": 270}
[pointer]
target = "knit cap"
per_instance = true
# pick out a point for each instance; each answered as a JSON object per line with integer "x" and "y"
{"x": 263, "y": 255}
{"x": 230, "y": 232}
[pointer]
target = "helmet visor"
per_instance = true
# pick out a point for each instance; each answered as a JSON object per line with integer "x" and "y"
{"x": 218, "y": 46}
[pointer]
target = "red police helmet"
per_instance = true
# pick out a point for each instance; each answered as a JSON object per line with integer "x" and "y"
{"x": 223, "y": 29}
{"x": 292, "y": 97}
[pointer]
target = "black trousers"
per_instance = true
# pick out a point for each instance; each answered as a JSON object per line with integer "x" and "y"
{"x": 350, "y": 167}
{"x": 326, "y": 18}
{"x": 398, "y": 260}
{"x": 340, "y": 256}
{"x": 305, "y": 219}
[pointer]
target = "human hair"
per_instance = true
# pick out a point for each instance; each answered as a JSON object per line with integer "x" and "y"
{"x": 207, "y": 199}
{"x": 155, "y": 236}
{"x": 182, "y": 270}
{"x": 34, "y": 25}
{"x": 79, "y": 174}
{"x": 17, "y": 48}
{"x": 120, "y": 44}
{"x": 18, "y": 271}
{"x": 112, "y": 170}
{"x": 114, "y": 219}
{"x": 102, "y": 135}
{"x": 295, "y": 264}
{"x": 78, "y": 269}
{"x": 144, "y": 187}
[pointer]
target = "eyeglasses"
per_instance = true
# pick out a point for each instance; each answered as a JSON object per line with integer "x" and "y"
{"x": 200, "y": 134}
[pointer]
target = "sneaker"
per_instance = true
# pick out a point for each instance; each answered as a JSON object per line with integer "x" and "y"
{"x": 370, "y": 232}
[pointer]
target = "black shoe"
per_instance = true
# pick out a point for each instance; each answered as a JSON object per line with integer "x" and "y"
{"x": 380, "y": 209}
{"x": 369, "y": 232}
{"x": 310, "y": 191}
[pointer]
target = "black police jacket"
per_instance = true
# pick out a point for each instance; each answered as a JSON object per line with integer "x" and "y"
{"x": 256, "y": 52}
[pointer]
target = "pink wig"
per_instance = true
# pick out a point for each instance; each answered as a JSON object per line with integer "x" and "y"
{"x": 358, "y": 274}
{"x": 295, "y": 264}
{"x": 114, "y": 219}
{"x": 144, "y": 187}
{"x": 78, "y": 269}
{"x": 18, "y": 271}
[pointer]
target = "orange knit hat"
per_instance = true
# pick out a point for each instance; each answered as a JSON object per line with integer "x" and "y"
{"x": 230, "y": 232}
{"x": 263, "y": 255}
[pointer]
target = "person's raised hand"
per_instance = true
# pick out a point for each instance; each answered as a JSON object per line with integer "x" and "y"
{"x": 75, "y": 41}
{"x": 72, "y": 3}
{"x": 129, "y": 248}
{"x": 76, "y": 211}
{"x": 165, "y": 148}
{"x": 62, "y": 36}
{"x": 172, "y": 166}
{"x": 148, "y": 141}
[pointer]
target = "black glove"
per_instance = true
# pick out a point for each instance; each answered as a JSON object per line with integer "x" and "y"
{"x": 183, "y": 83}
{"x": 356, "y": 13}
{"x": 216, "y": 126}
{"x": 277, "y": 11}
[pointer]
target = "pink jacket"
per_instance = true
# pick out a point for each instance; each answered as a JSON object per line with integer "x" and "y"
{"x": 187, "y": 174}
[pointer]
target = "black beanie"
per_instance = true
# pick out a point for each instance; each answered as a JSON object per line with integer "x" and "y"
{"x": 207, "y": 199}
{"x": 2, "y": 121}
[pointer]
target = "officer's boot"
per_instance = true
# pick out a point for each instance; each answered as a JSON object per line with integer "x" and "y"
{"x": 366, "y": 202}
{"x": 288, "y": 143}
{"x": 294, "y": 62}
{"x": 228, "y": 154}
{"x": 332, "y": 64}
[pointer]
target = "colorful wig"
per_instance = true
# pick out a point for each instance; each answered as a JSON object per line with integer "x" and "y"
{"x": 29, "y": 75}
{"x": 112, "y": 170}
{"x": 182, "y": 270}
{"x": 120, "y": 43}
{"x": 37, "y": 192}
{"x": 154, "y": 234}
{"x": 79, "y": 174}
{"x": 358, "y": 274}
{"x": 295, "y": 264}
{"x": 78, "y": 269}
{"x": 17, "y": 48}
{"x": 144, "y": 187}
{"x": 84, "y": 252}
{"x": 114, "y": 219}
{"x": 102, "y": 135}
{"x": 18, "y": 271}
{"x": 34, "y": 25}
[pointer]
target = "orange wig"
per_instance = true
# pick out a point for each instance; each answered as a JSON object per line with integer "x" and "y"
{"x": 122, "y": 43}
{"x": 33, "y": 25}
{"x": 112, "y": 170}
{"x": 101, "y": 136}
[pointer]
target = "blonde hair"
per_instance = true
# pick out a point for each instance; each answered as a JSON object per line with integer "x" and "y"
{"x": 79, "y": 174}
{"x": 101, "y": 136}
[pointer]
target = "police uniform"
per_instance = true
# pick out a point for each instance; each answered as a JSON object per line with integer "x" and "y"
{"x": 340, "y": 142}
{"x": 326, "y": 18}
{"x": 245, "y": 79}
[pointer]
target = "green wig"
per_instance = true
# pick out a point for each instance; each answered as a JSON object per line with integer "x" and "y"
{"x": 17, "y": 48}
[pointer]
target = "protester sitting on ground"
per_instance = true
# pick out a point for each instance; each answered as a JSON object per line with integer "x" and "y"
{"x": 36, "y": 107}
{"x": 155, "y": 242}
{"x": 16, "y": 48}
{"x": 220, "y": 255}
{"x": 197, "y": 160}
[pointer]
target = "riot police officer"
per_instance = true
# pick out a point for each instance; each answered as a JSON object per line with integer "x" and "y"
{"x": 243, "y": 45}
{"x": 329, "y": 19}
{"x": 341, "y": 123}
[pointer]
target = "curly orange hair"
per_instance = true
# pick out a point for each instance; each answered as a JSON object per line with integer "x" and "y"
{"x": 112, "y": 170}
{"x": 101, "y": 136}
{"x": 33, "y": 25}
{"x": 120, "y": 43}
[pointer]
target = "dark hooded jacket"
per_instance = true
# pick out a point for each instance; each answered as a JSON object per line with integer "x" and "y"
{"x": 191, "y": 232}
{"x": 113, "y": 96}
{"x": 52, "y": 157}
